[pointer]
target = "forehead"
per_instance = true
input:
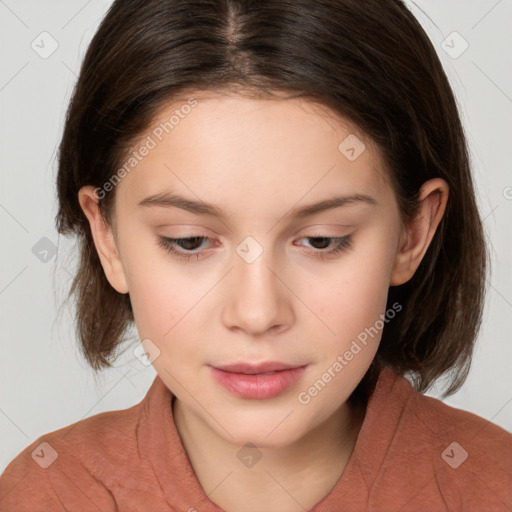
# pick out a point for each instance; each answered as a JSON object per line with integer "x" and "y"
{"x": 214, "y": 144}
{"x": 243, "y": 115}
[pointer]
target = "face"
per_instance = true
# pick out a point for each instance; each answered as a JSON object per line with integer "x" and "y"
{"x": 255, "y": 280}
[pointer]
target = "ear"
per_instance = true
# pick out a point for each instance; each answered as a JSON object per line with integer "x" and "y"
{"x": 418, "y": 233}
{"x": 103, "y": 240}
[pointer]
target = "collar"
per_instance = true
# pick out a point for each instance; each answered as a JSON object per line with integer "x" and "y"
{"x": 159, "y": 443}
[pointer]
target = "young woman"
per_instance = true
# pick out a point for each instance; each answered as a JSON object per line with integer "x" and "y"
{"x": 278, "y": 195}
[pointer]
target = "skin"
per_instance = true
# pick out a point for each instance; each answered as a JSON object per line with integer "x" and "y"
{"x": 256, "y": 160}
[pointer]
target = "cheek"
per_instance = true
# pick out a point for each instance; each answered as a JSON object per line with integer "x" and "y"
{"x": 159, "y": 293}
{"x": 170, "y": 302}
{"x": 351, "y": 295}
{"x": 350, "y": 301}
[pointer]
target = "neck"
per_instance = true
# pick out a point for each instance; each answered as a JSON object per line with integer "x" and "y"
{"x": 291, "y": 478}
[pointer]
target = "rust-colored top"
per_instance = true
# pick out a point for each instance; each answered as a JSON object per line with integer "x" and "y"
{"x": 413, "y": 453}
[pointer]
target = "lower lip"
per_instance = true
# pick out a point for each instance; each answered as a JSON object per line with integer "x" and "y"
{"x": 258, "y": 387}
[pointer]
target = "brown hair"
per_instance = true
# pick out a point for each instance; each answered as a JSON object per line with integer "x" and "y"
{"x": 368, "y": 61}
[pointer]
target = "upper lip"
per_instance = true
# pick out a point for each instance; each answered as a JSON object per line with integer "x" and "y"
{"x": 256, "y": 368}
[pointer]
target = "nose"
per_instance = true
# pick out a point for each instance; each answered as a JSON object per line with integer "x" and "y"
{"x": 257, "y": 300}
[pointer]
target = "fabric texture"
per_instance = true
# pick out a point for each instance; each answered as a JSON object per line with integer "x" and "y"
{"x": 413, "y": 453}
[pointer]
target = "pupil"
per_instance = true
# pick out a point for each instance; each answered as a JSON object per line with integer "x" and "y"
{"x": 188, "y": 242}
{"x": 324, "y": 242}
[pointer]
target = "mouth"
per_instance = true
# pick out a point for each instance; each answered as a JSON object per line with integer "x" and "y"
{"x": 257, "y": 381}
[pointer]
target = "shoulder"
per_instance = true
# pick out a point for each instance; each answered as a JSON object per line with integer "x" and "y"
{"x": 485, "y": 443}
{"x": 467, "y": 458}
{"x": 85, "y": 456}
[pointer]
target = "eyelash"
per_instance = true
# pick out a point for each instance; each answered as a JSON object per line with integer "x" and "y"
{"x": 342, "y": 243}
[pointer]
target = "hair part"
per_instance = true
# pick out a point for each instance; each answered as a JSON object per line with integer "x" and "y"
{"x": 370, "y": 63}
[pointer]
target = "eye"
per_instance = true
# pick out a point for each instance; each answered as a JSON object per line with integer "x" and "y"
{"x": 324, "y": 246}
{"x": 190, "y": 247}
{"x": 183, "y": 247}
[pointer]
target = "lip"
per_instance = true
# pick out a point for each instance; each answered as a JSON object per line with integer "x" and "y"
{"x": 256, "y": 368}
{"x": 248, "y": 380}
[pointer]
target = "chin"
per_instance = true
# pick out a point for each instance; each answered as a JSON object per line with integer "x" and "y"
{"x": 266, "y": 435}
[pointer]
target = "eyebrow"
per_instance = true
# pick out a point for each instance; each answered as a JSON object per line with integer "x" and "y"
{"x": 170, "y": 200}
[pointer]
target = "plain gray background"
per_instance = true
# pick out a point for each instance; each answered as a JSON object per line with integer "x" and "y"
{"x": 45, "y": 384}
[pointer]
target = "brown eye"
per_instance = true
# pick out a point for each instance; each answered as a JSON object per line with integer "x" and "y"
{"x": 324, "y": 246}
{"x": 190, "y": 243}
{"x": 184, "y": 248}
{"x": 321, "y": 242}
